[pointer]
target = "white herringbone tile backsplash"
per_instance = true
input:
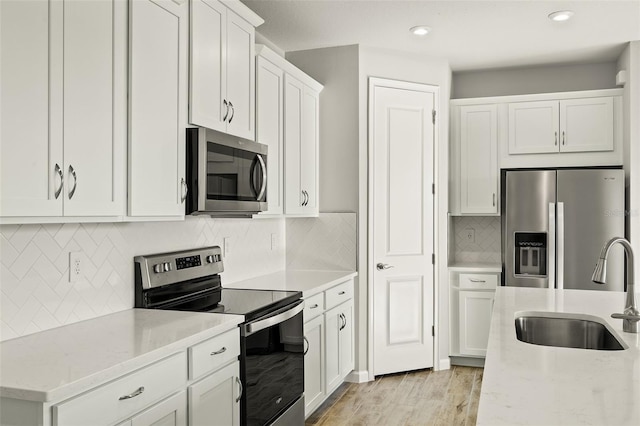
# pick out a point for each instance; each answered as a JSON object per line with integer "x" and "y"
{"x": 327, "y": 242}
{"x": 35, "y": 293}
{"x": 487, "y": 245}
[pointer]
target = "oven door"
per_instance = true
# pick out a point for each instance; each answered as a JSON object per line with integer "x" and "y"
{"x": 273, "y": 365}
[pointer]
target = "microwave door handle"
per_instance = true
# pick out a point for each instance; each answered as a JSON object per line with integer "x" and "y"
{"x": 277, "y": 318}
{"x": 263, "y": 167}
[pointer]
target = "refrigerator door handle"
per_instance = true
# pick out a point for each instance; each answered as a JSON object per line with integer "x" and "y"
{"x": 551, "y": 241}
{"x": 560, "y": 246}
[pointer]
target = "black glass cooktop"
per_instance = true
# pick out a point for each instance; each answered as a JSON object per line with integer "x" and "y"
{"x": 254, "y": 303}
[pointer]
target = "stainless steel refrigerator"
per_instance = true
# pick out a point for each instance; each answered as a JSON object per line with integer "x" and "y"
{"x": 554, "y": 224}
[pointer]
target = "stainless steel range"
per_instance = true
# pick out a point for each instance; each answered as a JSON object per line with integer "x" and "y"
{"x": 271, "y": 347}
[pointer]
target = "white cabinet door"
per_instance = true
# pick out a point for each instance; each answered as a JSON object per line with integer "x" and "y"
{"x": 475, "y": 309}
{"x": 240, "y": 76}
{"x": 586, "y": 124}
{"x": 301, "y": 118}
{"x": 207, "y": 87}
{"x": 533, "y": 127}
{"x": 158, "y": 45}
{"x": 31, "y": 152}
{"x": 269, "y": 129}
{"x": 94, "y": 107}
{"x": 215, "y": 400}
{"x": 346, "y": 340}
{"x": 479, "y": 159}
{"x": 170, "y": 412}
{"x": 314, "y": 364}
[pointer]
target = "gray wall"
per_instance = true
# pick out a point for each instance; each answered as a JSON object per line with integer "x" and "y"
{"x": 521, "y": 81}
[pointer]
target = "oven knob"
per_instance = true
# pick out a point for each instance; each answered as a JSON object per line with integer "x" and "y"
{"x": 210, "y": 258}
{"x": 167, "y": 266}
{"x": 157, "y": 268}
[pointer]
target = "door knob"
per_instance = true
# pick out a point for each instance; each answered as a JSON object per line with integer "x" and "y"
{"x": 381, "y": 266}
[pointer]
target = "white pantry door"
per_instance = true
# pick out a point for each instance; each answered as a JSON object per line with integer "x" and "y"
{"x": 402, "y": 218}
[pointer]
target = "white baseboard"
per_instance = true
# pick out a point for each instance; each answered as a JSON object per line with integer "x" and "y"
{"x": 444, "y": 364}
{"x": 357, "y": 377}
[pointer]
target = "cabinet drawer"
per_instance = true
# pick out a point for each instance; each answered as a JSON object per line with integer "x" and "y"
{"x": 125, "y": 396}
{"x": 213, "y": 353}
{"x": 313, "y": 306}
{"x": 479, "y": 281}
{"x": 338, "y": 294}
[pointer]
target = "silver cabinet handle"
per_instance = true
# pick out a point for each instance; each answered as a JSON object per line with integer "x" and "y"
{"x": 556, "y": 140}
{"x": 304, "y": 198}
{"x": 132, "y": 394}
{"x": 313, "y": 306}
{"x": 72, "y": 172}
{"x": 474, "y": 280}
{"x": 382, "y": 266}
{"x": 263, "y": 167}
{"x": 58, "y": 170}
{"x": 241, "y": 389}
{"x": 233, "y": 112}
{"x": 185, "y": 189}
{"x": 226, "y": 105}
{"x": 308, "y": 345}
{"x": 218, "y": 352}
{"x": 341, "y": 293}
{"x": 563, "y": 137}
{"x": 344, "y": 322}
{"x": 494, "y": 199}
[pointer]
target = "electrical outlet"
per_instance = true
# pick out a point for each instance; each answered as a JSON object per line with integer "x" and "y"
{"x": 226, "y": 246}
{"x": 470, "y": 235}
{"x": 274, "y": 241}
{"x": 75, "y": 266}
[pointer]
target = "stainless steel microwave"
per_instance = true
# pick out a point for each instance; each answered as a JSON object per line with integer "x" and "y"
{"x": 226, "y": 175}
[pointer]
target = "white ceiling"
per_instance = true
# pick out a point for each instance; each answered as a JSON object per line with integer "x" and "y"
{"x": 471, "y": 35}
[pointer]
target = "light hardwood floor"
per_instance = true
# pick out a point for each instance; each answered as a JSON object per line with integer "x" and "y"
{"x": 422, "y": 397}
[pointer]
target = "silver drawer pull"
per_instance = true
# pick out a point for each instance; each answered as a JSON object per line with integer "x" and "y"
{"x": 241, "y": 389}
{"x": 133, "y": 394}
{"x": 474, "y": 280}
{"x": 313, "y": 306}
{"x": 223, "y": 350}
{"x": 341, "y": 293}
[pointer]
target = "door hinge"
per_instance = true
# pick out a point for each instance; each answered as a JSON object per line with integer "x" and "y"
{"x": 433, "y": 258}
{"x": 433, "y": 188}
{"x": 433, "y": 116}
{"x": 433, "y": 330}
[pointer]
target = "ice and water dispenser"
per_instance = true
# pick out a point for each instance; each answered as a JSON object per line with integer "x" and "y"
{"x": 531, "y": 253}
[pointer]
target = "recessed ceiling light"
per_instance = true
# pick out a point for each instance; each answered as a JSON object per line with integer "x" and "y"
{"x": 420, "y": 30}
{"x": 561, "y": 15}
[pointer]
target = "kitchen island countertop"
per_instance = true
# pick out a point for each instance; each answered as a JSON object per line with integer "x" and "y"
{"x": 527, "y": 384}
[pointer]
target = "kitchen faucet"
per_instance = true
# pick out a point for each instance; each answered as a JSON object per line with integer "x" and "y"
{"x": 630, "y": 316}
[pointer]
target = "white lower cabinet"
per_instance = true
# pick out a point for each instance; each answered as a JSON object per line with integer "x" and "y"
{"x": 475, "y": 320}
{"x": 170, "y": 412}
{"x": 329, "y": 334}
{"x": 215, "y": 400}
{"x": 472, "y": 297}
{"x": 314, "y": 364}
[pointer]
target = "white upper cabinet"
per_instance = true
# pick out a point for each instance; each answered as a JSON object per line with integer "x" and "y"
{"x": 63, "y": 85}
{"x": 569, "y": 125}
{"x": 586, "y": 124}
{"x": 269, "y": 128}
{"x": 533, "y": 127}
{"x": 222, "y": 84}
{"x": 301, "y": 138}
{"x": 158, "y": 47}
{"x": 478, "y": 178}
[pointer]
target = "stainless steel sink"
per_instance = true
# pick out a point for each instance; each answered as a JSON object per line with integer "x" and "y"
{"x": 567, "y": 331}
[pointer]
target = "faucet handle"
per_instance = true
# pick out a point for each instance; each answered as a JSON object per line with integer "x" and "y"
{"x": 626, "y": 317}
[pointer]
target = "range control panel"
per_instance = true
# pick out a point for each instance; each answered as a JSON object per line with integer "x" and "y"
{"x": 168, "y": 268}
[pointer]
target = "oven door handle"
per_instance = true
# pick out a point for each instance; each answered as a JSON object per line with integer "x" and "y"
{"x": 279, "y": 316}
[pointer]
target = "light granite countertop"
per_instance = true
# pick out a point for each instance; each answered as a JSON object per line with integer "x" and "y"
{"x": 527, "y": 384}
{"x": 58, "y": 363}
{"x": 308, "y": 282}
